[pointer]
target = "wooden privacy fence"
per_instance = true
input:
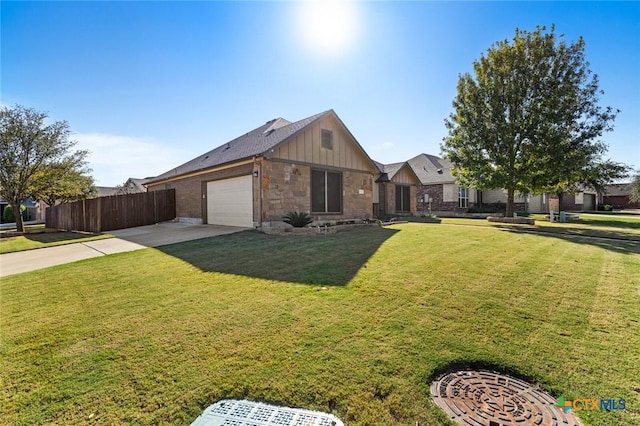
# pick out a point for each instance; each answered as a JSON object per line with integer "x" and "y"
{"x": 114, "y": 212}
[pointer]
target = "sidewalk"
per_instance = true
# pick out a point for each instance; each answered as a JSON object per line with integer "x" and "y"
{"x": 31, "y": 260}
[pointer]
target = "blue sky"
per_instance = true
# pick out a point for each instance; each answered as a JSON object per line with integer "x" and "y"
{"x": 147, "y": 86}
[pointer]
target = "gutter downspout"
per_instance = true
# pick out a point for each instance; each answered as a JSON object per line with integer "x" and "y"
{"x": 261, "y": 191}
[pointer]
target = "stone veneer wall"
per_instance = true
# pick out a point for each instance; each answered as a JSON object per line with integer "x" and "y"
{"x": 190, "y": 191}
{"x": 390, "y": 199}
{"x": 287, "y": 187}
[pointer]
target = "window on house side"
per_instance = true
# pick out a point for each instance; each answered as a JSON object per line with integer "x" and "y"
{"x": 403, "y": 198}
{"x": 327, "y": 139}
{"x": 463, "y": 197}
{"x": 326, "y": 192}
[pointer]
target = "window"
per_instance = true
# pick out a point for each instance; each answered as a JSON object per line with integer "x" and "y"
{"x": 326, "y": 192}
{"x": 403, "y": 198}
{"x": 327, "y": 139}
{"x": 463, "y": 197}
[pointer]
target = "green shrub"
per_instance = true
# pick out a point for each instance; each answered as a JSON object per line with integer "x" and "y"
{"x": 297, "y": 220}
{"x": 483, "y": 209}
{"x": 428, "y": 216}
{"x": 8, "y": 216}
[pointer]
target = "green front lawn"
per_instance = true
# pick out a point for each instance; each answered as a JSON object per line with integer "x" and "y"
{"x": 356, "y": 323}
{"x": 589, "y": 225}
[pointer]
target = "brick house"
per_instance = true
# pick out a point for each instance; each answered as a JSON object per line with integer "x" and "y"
{"x": 439, "y": 191}
{"x": 314, "y": 165}
{"x": 438, "y": 188}
{"x": 618, "y": 195}
{"x": 584, "y": 200}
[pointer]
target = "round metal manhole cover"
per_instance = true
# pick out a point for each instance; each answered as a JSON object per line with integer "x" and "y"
{"x": 485, "y": 398}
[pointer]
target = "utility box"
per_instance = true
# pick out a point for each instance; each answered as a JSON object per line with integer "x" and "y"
{"x": 230, "y": 412}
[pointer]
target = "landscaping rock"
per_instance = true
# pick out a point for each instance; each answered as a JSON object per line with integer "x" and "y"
{"x": 518, "y": 220}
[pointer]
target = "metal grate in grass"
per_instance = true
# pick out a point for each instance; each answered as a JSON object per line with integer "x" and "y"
{"x": 231, "y": 412}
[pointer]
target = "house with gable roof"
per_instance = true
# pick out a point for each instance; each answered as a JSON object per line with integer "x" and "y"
{"x": 314, "y": 165}
{"x": 439, "y": 190}
{"x": 438, "y": 187}
{"x": 618, "y": 195}
{"x": 395, "y": 190}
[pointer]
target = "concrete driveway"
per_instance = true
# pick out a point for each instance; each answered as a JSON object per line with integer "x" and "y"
{"x": 165, "y": 233}
{"x": 125, "y": 240}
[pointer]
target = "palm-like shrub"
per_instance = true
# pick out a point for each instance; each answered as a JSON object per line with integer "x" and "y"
{"x": 297, "y": 219}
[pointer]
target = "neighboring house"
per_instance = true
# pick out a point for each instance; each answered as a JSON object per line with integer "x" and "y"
{"x": 438, "y": 189}
{"x": 314, "y": 165}
{"x": 105, "y": 191}
{"x": 522, "y": 202}
{"x": 395, "y": 190}
{"x": 618, "y": 195}
{"x": 132, "y": 186}
{"x": 439, "y": 192}
{"x": 35, "y": 210}
{"x": 584, "y": 200}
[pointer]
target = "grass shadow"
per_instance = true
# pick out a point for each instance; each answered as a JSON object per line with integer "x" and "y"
{"x": 458, "y": 365}
{"x": 331, "y": 259}
{"x": 613, "y": 222}
{"x": 618, "y": 241}
{"x": 11, "y": 242}
{"x": 56, "y": 236}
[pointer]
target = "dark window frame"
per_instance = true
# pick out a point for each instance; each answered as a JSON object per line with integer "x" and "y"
{"x": 326, "y": 204}
{"x": 463, "y": 197}
{"x": 403, "y": 198}
{"x": 326, "y": 139}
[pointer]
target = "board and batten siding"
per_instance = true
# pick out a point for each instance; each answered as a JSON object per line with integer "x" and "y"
{"x": 404, "y": 177}
{"x": 305, "y": 147}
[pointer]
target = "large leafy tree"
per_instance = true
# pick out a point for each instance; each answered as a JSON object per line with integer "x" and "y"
{"x": 528, "y": 119}
{"x": 33, "y": 153}
{"x": 64, "y": 181}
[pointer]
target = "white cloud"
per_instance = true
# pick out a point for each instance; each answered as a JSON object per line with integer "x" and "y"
{"x": 382, "y": 146}
{"x": 113, "y": 158}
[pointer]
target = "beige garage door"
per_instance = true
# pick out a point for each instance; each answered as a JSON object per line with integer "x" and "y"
{"x": 230, "y": 202}
{"x": 589, "y": 202}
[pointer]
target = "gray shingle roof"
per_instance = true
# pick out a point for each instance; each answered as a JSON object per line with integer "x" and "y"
{"x": 426, "y": 167}
{"x": 105, "y": 191}
{"x": 618, "y": 189}
{"x": 256, "y": 142}
{"x": 136, "y": 184}
{"x": 389, "y": 169}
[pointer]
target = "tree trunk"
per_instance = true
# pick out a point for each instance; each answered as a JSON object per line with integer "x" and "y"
{"x": 18, "y": 215}
{"x": 509, "y": 212}
{"x": 559, "y": 201}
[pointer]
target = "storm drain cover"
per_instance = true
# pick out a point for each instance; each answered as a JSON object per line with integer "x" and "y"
{"x": 231, "y": 412}
{"x": 485, "y": 398}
